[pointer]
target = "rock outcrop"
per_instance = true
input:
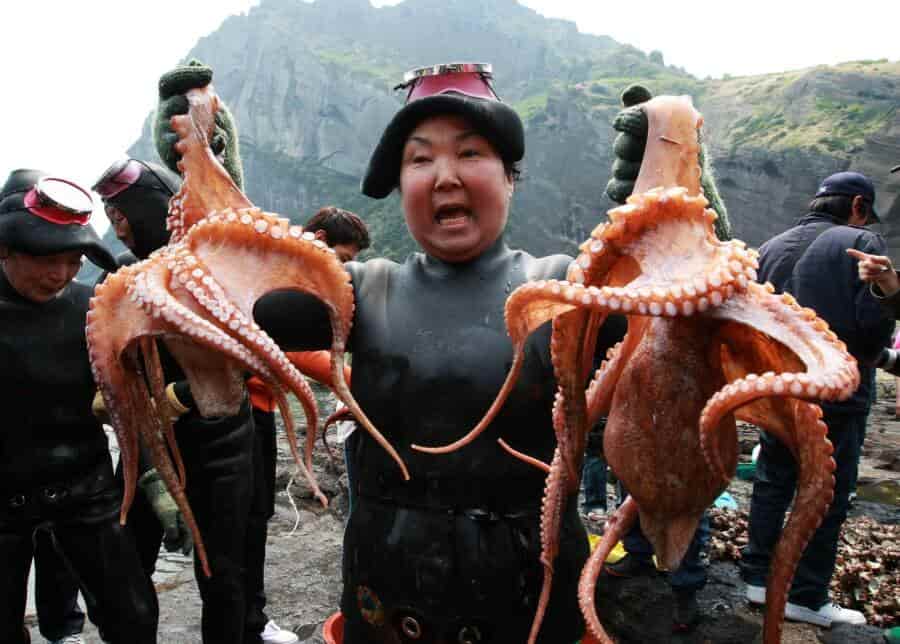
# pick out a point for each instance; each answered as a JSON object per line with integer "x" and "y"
{"x": 310, "y": 86}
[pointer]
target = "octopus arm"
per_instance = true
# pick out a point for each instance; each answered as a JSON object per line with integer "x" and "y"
{"x": 603, "y": 385}
{"x": 123, "y": 313}
{"x": 802, "y": 340}
{"x": 252, "y": 254}
{"x": 616, "y": 528}
{"x": 527, "y": 309}
{"x": 551, "y": 519}
{"x": 815, "y": 492}
{"x": 113, "y": 322}
{"x": 572, "y": 349}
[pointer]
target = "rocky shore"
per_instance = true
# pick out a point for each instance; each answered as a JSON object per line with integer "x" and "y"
{"x": 304, "y": 549}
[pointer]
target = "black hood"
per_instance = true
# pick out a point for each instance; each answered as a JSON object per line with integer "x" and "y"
{"x": 145, "y": 205}
{"x": 23, "y": 231}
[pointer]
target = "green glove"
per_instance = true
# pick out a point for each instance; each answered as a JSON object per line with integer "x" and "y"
{"x": 176, "y": 535}
{"x": 172, "y": 101}
{"x": 631, "y": 123}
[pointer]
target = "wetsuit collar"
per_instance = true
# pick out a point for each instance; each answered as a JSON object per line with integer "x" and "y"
{"x": 483, "y": 263}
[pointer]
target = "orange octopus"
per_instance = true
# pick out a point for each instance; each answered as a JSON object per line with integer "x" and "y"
{"x": 706, "y": 345}
{"x": 196, "y": 294}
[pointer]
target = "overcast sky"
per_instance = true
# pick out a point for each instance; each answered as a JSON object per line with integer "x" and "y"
{"x": 80, "y": 77}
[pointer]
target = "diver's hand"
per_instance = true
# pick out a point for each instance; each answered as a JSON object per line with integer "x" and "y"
{"x": 176, "y": 535}
{"x": 173, "y": 85}
{"x": 98, "y": 408}
{"x": 631, "y": 123}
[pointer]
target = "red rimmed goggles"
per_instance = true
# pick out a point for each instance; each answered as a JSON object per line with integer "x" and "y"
{"x": 118, "y": 177}
{"x": 471, "y": 79}
{"x": 59, "y": 201}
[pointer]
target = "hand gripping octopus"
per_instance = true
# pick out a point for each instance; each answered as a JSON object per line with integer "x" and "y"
{"x": 197, "y": 294}
{"x": 706, "y": 344}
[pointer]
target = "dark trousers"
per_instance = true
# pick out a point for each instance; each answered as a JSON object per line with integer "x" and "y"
{"x": 593, "y": 478}
{"x": 350, "y": 446}
{"x": 262, "y": 508}
{"x": 776, "y": 482}
{"x": 56, "y": 592}
{"x": 218, "y": 457}
{"x": 691, "y": 575}
{"x": 103, "y": 557}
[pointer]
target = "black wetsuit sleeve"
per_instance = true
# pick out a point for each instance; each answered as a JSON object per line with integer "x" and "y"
{"x": 299, "y": 321}
{"x": 296, "y": 321}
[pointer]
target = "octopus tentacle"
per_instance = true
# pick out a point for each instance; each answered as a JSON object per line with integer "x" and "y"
{"x": 616, "y": 528}
{"x": 231, "y": 245}
{"x": 602, "y": 386}
{"x": 831, "y": 372}
{"x": 568, "y": 338}
{"x": 118, "y": 328}
{"x": 157, "y": 444}
{"x": 305, "y": 469}
{"x": 342, "y": 414}
{"x": 192, "y": 274}
{"x": 206, "y": 187}
{"x": 525, "y": 458}
{"x": 815, "y": 492}
{"x": 112, "y": 379}
{"x": 524, "y": 315}
{"x": 551, "y": 520}
{"x": 156, "y": 381}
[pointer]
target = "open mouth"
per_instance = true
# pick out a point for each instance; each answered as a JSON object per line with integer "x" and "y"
{"x": 452, "y": 215}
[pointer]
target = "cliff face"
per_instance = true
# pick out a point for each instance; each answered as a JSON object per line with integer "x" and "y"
{"x": 310, "y": 86}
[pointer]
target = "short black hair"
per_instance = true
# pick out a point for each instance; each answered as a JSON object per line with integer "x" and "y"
{"x": 837, "y": 206}
{"x": 340, "y": 227}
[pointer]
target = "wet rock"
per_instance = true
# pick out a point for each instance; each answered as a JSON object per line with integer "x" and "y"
{"x": 847, "y": 634}
{"x": 640, "y": 610}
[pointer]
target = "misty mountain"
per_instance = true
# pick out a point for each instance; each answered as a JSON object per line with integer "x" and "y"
{"x": 311, "y": 88}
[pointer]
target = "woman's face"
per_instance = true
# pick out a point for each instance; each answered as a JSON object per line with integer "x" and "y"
{"x": 40, "y": 278}
{"x": 120, "y": 226}
{"x": 454, "y": 189}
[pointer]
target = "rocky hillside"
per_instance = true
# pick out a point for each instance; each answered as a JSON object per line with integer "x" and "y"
{"x": 310, "y": 85}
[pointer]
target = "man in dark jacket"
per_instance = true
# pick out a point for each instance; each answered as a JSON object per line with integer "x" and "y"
{"x": 810, "y": 262}
{"x": 55, "y": 468}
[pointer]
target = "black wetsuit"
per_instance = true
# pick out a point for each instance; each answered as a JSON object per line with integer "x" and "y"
{"x": 454, "y": 552}
{"x": 56, "y": 471}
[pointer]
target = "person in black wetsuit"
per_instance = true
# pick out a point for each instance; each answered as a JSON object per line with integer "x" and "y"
{"x": 453, "y": 554}
{"x": 218, "y": 452}
{"x": 135, "y": 198}
{"x": 55, "y": 468}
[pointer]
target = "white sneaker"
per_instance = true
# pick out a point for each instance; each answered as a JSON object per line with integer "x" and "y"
{"x": 826, "y": 616}
{"x": 273, "y": 634}
{"x": 829, "y": 614}
{"x": 68, "y": 639}
{"x": 756, "y": 594}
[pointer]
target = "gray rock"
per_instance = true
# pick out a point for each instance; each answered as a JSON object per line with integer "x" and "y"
{"x": 847, "y": 634}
